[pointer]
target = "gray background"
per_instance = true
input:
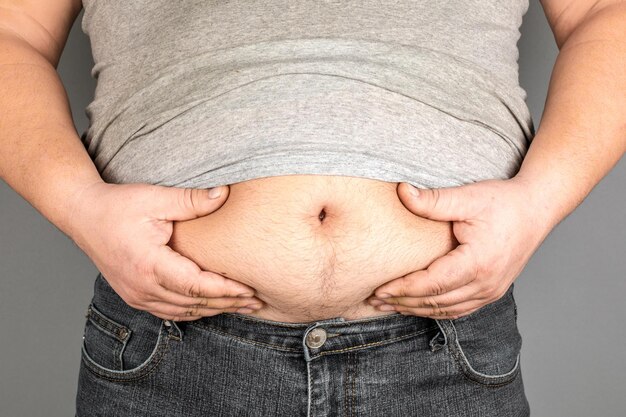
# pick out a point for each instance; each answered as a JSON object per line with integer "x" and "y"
{"x": 570, "y": 296}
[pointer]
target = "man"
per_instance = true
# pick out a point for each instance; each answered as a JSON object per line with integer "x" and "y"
{"x": 557, "y": 164}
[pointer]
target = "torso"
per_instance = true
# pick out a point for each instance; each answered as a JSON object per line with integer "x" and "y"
{"x": 313, "y": 246}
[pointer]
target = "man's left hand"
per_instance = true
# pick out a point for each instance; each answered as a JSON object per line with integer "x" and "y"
{"x": 498, "y": 228}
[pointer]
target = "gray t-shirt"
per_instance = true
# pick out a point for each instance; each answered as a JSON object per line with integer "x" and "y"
{"x": 200, "y": 93}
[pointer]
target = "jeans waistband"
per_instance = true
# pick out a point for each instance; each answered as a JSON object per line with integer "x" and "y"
{"x": 320, "y": 337}
{"x": 313, "y": 339}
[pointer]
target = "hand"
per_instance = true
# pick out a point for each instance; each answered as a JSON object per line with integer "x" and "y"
{"x": 125, "y": 228}
{"x": 498, "y": 229}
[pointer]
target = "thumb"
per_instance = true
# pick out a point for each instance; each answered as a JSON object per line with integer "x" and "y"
{"x": 444, "y": 204}
{"x": 174, "y": 203}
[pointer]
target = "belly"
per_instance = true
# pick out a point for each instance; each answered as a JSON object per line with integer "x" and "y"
{"x": 313, "y": 246}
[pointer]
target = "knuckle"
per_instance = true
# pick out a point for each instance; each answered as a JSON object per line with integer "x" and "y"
{"x": 193, "y": 311}
{"x": 191, "y": 288}
{"x": 192, "y": 198}
{"x": 431, "y": 302}
{"x": 156, "y": 279}
{"x": 437, "y": 311}
{"x": 436, "y": 198}
{"x": 244, "y": 303}
{"x": 203, "y": 302}
{"x": 402, "y": 291}
{"x": 437, "y": 288}
{"x": 184, "y": 198}
{"x": 212, "y": 286}
{"x": 197, "y": 196}
{"x": 225, "y": 287}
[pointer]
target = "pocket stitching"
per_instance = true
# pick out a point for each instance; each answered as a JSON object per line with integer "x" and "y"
{"x": 139, "y": 372}
{"x": 111, "y": 328}
{"x": 472, "y": 374}
{"x": 114, "y": 329}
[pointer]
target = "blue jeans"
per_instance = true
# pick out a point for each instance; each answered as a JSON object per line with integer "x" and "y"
{"x": 136, "y": 364}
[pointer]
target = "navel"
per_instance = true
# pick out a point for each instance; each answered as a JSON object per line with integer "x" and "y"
{"x": 322, "y": 215}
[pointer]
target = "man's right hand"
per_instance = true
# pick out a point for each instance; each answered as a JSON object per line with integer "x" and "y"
{"x": 125, "y": 228}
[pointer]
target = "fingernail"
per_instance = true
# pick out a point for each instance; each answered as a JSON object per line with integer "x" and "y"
{"x": 386, "y": 307}
{"x": 376, "y": 302}
{"x": 413, "y": 191}
{"x": 383, "y": 295}
{"x": 216, "y": 192}
{"x": 245, "y": 310}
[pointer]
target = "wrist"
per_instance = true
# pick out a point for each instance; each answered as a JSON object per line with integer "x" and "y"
{"x": 546, "y": 196}
{"x": 74, "y": 203}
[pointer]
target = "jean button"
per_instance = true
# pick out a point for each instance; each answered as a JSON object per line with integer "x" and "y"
{"x": 316, "y": 338}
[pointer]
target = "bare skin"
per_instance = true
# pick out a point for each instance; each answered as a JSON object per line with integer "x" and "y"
{"x": 581, "y": 137}
{"x": 313, "y": 247}
{"x": 62, "y": 181}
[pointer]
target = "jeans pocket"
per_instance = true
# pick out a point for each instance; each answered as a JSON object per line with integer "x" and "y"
{"x": 121, "y": 343}
{"x": 486, "y": 344}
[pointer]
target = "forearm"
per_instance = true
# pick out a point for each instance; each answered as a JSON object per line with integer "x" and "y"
{"x": 41, "y": 155}
{"x": 582, "y": 134}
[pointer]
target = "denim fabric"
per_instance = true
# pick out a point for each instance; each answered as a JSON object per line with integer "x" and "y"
{"x": 136, "y": 364}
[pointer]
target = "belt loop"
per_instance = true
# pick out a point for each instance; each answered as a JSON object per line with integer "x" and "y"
{"x": 173, "y": 329}
{"x": 435, "y": 343}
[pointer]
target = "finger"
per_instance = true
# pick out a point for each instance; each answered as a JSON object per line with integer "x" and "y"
{"x": 171, "y": 297}
{"x": 181, "y": 275}
{"x": 457, "y": 203}
{"x": 450, "y": 312}
{"x": 450, "y": 298}
{"x": 455, "y": 269}
{"x": 170, "y": 312}
{"x": 172, "y": 203}
{"x": 176, "y": 318}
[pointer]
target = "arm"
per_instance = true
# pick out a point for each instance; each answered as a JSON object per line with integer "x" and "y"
{"x": 499, "y": 224}
{"x": 582, "y": 134}
{"x": 123, "y": 228}
{"x": 41, "y": 155}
